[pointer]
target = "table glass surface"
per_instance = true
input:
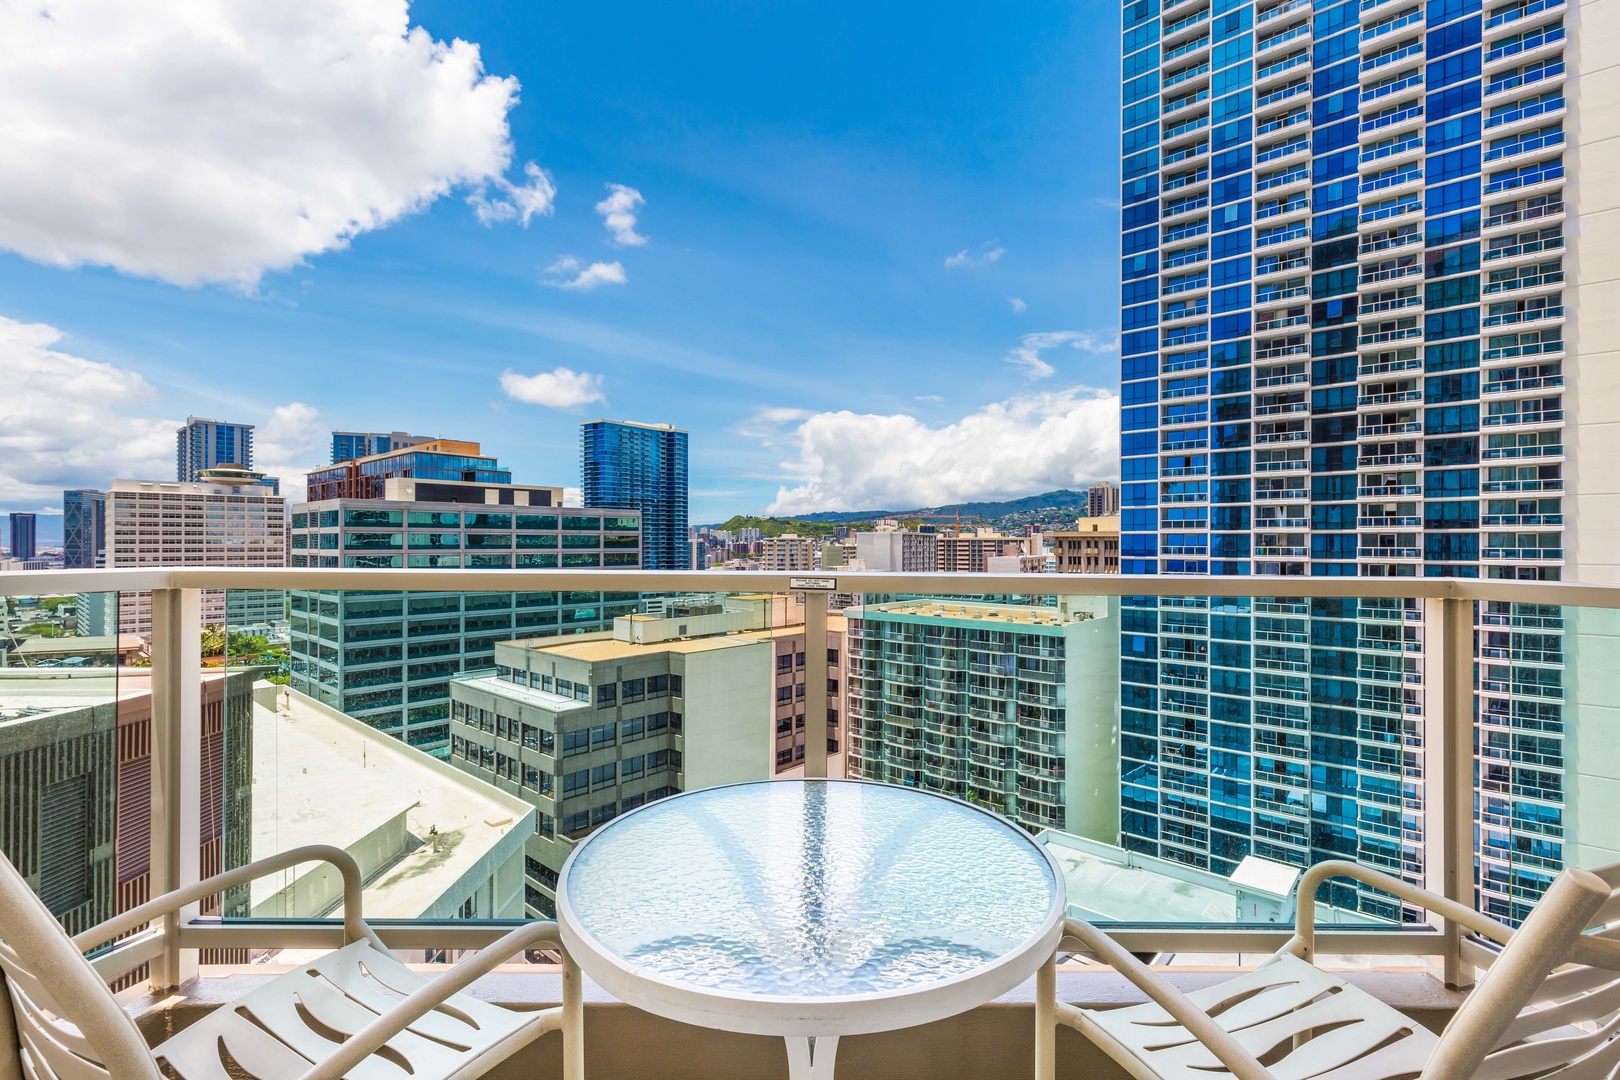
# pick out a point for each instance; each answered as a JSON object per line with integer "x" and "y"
{"x": 809, "y": 889}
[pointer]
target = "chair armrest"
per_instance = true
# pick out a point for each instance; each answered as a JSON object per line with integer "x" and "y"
{"x": 1303, "y": 943}
{"x": 1199, "y": 1024}
{"x": 354, "y": 928}
{"x": 369, "y": 1039}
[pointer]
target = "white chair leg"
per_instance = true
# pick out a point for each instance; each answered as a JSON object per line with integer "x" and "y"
{"x": 812, "y": 1058}
{"x": 1046, "y": 1019}
{"x": 573, "y": 1022}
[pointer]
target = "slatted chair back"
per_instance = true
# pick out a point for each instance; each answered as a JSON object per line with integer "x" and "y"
{"x": 58, "y": 1019}
{"x": 1546, "y": 1007}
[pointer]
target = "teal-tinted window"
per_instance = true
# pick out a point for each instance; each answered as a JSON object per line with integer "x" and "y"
{"x": 488, "y": 540}
{"x": 532, "y": 561}
{"x": 581, "y": 560}
{"x": 489, "y": 521}
{"x": 371, "y": 517}
{"x": 371, "y": 541}
{"x": 532, "y": 522}
{"x": 372, "y": 561}
{"x": 433, "y": 562}
{"x": 578, "y": 524}
{"x": 432, "y": 517}
{"x": 435, "y": 540}
{"x": 537, "y": 540}
{"x": 489, "y": 562}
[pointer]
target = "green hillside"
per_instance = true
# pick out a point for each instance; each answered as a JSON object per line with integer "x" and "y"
{"x": 777, "y": 526}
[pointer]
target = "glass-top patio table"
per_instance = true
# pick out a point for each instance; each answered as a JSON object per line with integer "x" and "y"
{"x": 809, "y": 909}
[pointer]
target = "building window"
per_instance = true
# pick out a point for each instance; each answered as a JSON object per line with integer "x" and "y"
{"x": 634, "y": 690}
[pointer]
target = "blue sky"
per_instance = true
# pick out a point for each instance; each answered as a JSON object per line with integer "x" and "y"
{"x": 805, "y": 173}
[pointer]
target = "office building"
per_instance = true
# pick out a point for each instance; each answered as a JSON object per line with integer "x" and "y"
{"x": 792, "y": 672}
{"x": 1012, "y": 707}
{"x": 78, "y": 829}
{"x": 591, "y": 727}
{"x": 84, "y": 529}
{"x": 386, "y": 657}
{"x": 1092, "y": 548}
{"x": 24, "y": 536}
{"x": 204, "y": 444}
{"x": 1102, "y": 500}
{"x": 352, "y": 445}
{"x": 897, "y": 550}
{"x": 1343, "y": 354}
{"x": 451, "y": 460}
{"x": 227, "y": 518}
{"x": 640, "y": 467}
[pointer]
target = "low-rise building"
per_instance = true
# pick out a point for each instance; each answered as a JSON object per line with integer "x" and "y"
{"x": 896, "y": 550}
{"x": 1092, "y": 548}
{"x": 589, "y": 727}
{"x": 970, "y": 551}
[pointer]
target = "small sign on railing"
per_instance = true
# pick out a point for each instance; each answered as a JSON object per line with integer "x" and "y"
{"x": 813, "y": 584}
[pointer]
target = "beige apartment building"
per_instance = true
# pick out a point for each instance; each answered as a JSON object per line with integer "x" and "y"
{"x": 1092, "y": 548}
{"x": 227, "y": 518}
{"x": 792, "y": 673}
{"x": 788, "y": 553}
{"x": 970, "y": 551}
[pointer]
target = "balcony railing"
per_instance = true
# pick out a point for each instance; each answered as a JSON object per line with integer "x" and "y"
{"x": 1444, "y": 611}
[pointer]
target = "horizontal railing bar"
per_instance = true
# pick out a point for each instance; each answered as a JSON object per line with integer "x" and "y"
{"x": 214, "y": 933}
{"x": 45, "y": 582}
{"x": 128, "y": 953}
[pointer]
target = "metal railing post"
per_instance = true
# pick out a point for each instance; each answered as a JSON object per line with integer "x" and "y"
{"x": 176, "y": 768}
{"x": 815, "y": 683}
{"x": 1448, "y": 646}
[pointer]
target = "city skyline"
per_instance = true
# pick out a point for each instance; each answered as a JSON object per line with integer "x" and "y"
{"x": 801, "y": 275}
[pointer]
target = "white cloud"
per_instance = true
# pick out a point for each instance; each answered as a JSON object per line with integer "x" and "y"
{"x": 618, "y": 212}
{"x": 522, "y": 201}
{"x": 214, "y": 140}
{"x": 1027, "y": 354}
{"x": 291, "y": 443}
{"x": 1009, "y": 449}
{"x": 64, "y": 421}
{"x": 1018, "y": 306}
{"x": 573, "y": 496}
{"x": 987, "y": 253}
{"x": 560, "y": 388}
{"x": 586, "y": 278}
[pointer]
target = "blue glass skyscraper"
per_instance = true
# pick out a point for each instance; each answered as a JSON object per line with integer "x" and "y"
{"x": 1342, "y": 352}
{"x": 641, "y": 467}
{"x": 84, "y": 528}
{"x": 204, "y": 443}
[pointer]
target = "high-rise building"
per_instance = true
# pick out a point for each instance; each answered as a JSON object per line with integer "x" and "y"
{"x": 395, "y": 653}
{"x": 589, "y": 728}
{"x": 84, "y": 529}
{"x": 1009, "y": 706}
{"x": 226, "y": 518}
{"x": 350, "y": 445}
{"x": 24, "y": 536}
{"x": 204, "y": 444}
{"x": 640, "y": 467}
{"x": 1102, "y": 499}
{"x": 1343, "y": 354}
{"x": 433, "y": 459}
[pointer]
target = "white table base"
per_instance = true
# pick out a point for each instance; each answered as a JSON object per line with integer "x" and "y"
{"x": 811, "y": 1058}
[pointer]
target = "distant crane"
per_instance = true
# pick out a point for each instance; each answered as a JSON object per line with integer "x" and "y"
{"x": 957, "y": 518}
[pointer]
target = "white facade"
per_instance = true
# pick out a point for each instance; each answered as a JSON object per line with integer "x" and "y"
{"x": 897, "y": 551}
{"x": 167, "y": 523}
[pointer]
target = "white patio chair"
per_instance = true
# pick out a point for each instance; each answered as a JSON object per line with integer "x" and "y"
{"x": 1288, "y": 1020}
{"x": 357, "y": 1012}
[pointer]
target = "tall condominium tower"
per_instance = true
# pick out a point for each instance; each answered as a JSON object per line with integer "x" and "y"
{"x": 84, "y": 529}
{"x": 349, "y": 445}
{"x": 640, "y": 467}
{"x": 204, "y": 443}
{"x": 1343, "y": 307}
{"x": 24, "y": 537}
